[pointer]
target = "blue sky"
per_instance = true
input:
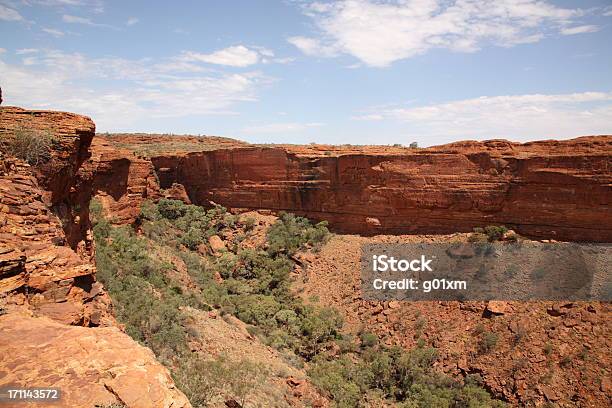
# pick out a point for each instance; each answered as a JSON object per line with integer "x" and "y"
{"x": 353, "y": 71}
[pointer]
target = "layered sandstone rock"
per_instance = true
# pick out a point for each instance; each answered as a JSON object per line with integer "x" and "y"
{"x": 57, "y": 177}
{"x": 36, "y": 266}
{"x": 120, "y": 179}
{"x": 48, "y": 284}
{"x": 548, "y": 189}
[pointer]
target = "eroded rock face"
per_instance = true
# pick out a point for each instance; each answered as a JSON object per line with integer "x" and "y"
{"x": 120, "y": 179}
{"x": 57, "y": 177}
{"x": 37, "y": 268}
{"x": 89, "y": 366}
{"x": 548, "y": 189}
{"x": 48, "y": 285}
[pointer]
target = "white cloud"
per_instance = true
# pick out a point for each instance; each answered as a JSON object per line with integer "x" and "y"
{"x": 280, "y": 127}
{"x": 24, "y": 51}
{"x": 96, "y": 6}
{"x": 29, "y": 61}
{"x": 132, "y": 20}
{"x": 53, "y": 32}
{"x": 380, "y": 32}
{"x": 236, "y": 56}
{"x": 313, "y": 47}
{"x": 516, "y": 117}
{"x": 116, "y": 92}
{"x": 61, "y": 2}
{"x": 579, "y": 29}
{"x": 2, "y": 50}
{"x": 9, "y": 14}
{"x": 67, "y": 18}
{"x": 369, "y": 116}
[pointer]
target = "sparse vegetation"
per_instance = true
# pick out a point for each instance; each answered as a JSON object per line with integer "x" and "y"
{"x": 255, "y": 287}
{"x": 519, "y": 335}
{"x": 405, "y": 377}
{"x": 548, "y": 349}
{"x": 488, "y": 341}
{"x": 495, "y": 232}
{"x": 537, "y": 274}
{"x": 32, "y": 146}
{"x": 368, "y": 339}
{"x": 490, "y": 233}
{"x": 203, "y": 381}
{"x": 290, "y": 234}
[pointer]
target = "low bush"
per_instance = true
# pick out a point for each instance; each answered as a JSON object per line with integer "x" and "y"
{"x": 290, "y": 234}
{"x": 406, "y": 377}
{"x": 368, "y": 339}
{"x": 488, "y": 341}
{"x": 203, "y": 381}
{"x": 171, "y": 209}
{"x": 31, "y": 146}
{"x": 495, "y": 232}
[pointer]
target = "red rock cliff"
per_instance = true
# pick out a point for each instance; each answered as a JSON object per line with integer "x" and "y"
{"x": 551, "y": 189}
{"x": 47, "y": 288}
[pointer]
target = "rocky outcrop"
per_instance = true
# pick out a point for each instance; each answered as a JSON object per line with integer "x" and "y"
{"x": 548, "y": 189}
{"x": 37, "y": 268}
{"x": 120, "y": 179}
{"x": 72, "y": 135}
{"x": 48, "y": 284}
{"x": 91, "y": 367}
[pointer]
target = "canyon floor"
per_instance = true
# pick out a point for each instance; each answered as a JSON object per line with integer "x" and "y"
{"x": 99, "y": 220}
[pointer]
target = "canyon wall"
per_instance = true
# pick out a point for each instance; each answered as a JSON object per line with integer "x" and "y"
{"x": 551, "y": 189}
{"x": 48, "y": 283}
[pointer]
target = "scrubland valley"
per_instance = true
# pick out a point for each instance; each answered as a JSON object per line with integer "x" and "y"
{"x": 175, "y": 271}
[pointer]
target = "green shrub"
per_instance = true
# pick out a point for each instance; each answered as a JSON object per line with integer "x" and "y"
{"x": 478, "y": 237}
{"x": 192, "y": 238}
{"x": 226, "y": 264}
{"x": 488, "y": 341}
{"x": 249, "y": 223}
{"x": 318, "y": 327}
{"x": 406, "y": 377}
{"x": 171, "y": 209}
{"x": 287, "y": 318}
{"x": 203, "y": 380}
{"x": 346, "y": 344}
{"x": 256, "y": 309}
{"x": 31, "y": 146}
{"x": 368, "y": 339}
{"x": 290, "y": 234}
{"x": 495, "y": 232}
{"x": 101, "y": 226}
{"x": 334, "y": 378}
{"x": 149, "y": 211}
